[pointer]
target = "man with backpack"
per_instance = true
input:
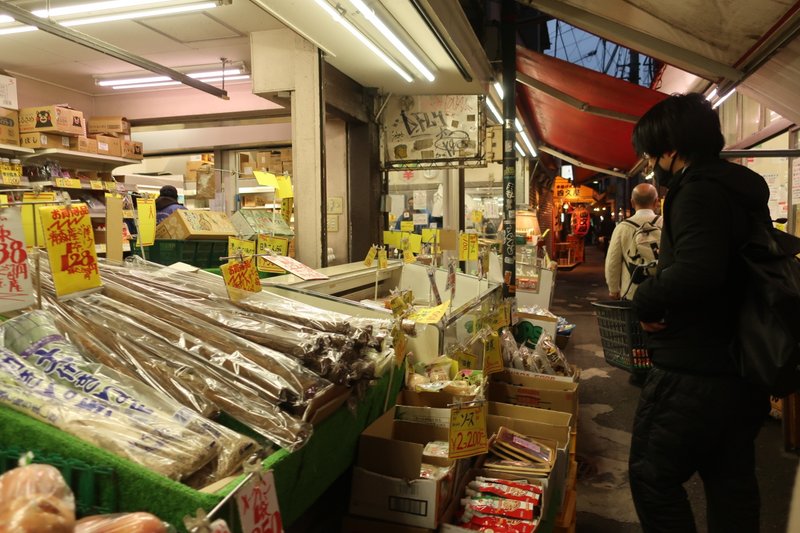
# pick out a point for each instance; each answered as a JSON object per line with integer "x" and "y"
{"x": 633, "y": 250}
{"x": 696, "y": 413}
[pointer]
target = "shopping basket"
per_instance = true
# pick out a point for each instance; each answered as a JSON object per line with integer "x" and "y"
{"x": 622, "y": 336}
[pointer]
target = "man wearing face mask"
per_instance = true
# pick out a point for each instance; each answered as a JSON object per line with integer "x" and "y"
{"x": 695, "y": 413}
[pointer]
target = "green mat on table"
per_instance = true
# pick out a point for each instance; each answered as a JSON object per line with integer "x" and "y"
{"x": 300, "y": 477}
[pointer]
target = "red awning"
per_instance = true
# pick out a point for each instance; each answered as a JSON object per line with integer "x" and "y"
{"x": 599, "y": 134}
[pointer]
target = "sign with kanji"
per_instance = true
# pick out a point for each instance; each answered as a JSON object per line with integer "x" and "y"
{"x": 429, "y": 315}
{"x": 383, "y": 260}
{"x": 237, "y": 247}
{"x": 69, "y": 239}
{"x": 146, "y": 209}
{"x": 16, "y": 289}
{"x": 258, "y": 507}
{"x": 373, "y": 251}
{"x": 492, "y": 356}
{"x": 468, "y": 247}
{"x": 31, "y": 218}
{"x": 297, "y": 268}
{"x": 240, "y": 276}
{"x": 266, "y": 244}
{"x": 467, "y": 435}
{"x": 287, "y": 208}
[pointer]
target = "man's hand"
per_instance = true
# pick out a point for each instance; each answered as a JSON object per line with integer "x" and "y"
{"x": 614, "y": 295}
{"x": 653, "y": 327}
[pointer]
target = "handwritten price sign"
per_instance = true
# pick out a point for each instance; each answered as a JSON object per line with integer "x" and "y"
{"x": 16, "y": 289}
{"x": 468, "y": 432}
{"x": 70, "y": 247}
{"x": 279, "y": 245}
{"x": 240, "y": 276}
{"x": 492, "y": 357}
{"x": 258, "y": 505}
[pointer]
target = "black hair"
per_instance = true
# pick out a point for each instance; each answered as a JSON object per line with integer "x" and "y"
{"x": 685, "y": 123}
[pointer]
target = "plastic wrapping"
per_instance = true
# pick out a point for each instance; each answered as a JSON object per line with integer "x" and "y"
{"x": 121, "y": 523}
{"x": 35, "y": 499}
{"x": 509, "y": 345}
{"x": 36, "y": 339}
{"x": 556, "y": 360}
{"x": 152, "y": 442}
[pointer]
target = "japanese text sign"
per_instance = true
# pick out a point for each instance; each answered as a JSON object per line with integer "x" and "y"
{"x": 70, "y": 246}
{"x": 492, "y": 357}
{"x": 146, "y": 210}
{"x": 297, "y": 268}
{"x": 31, "y": 218}
{"x": 266, "y": 244}
{"x": 383, "y": 260}
{"x": 257, "y": 501}
{"x": 241, "y": 276}
{"x": 467, "y": 431}
{"x": 407, "y": 226}
{"x": 240, "y": 246}
{"x": 16, "y": 289}
{"x": 373, "y": 251}
{"x": 429, "y": 315}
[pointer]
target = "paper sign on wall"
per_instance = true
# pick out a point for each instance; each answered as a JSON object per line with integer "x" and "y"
{"x": 419, "y": 219}
{"x": 258, "y": 507}
{"x": 240, "y": 246}
{"x": 70, "y": 247}
{"x": 146, "y": 210}
{"x": 241, "y": 277}
{"x": 420, "y": 199}
{"x": 16, "y": 289}
{"x": 467, "y": 434}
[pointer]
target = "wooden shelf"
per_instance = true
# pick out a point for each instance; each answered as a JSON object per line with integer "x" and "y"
{"x": 81, "y": 160}
{"x": 6, "y": 148}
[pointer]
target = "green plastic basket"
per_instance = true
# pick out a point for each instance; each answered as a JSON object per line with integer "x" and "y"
{"x": 96, "y": 488}
{"x": 199, "y": 253}
{"x": 622, "y": 337}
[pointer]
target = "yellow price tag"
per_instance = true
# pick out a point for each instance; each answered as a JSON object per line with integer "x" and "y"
{"x": 429, "y": 236}
{"x": 373, "y": 251}
{"x": 473, "y": 247}
{"x": 11, "y": 179}
{"x": 492, "y": 358}
{"x": 499, "y": 318}
{"x": 398, "y": 305}
{"x": 265, "y": 179}
{"x": 71, "y": 183}
{"x": 463, "y": 247}
{"x": 400, "y": 342}
{"x": 392, "y": 238}
{"x": 429, "y": 315}
{"x": 96, "y": 185}
{"x": 407, "y": 226}
{"x": 285, "y": 189}
{"x": 466, "y": 360}
{"x": 111, "y": 186}
{"x": 383, "y": 261}
{"x": 467, "y": 435}
{"x": 477, "y": 216}
{"x": 146, "y": 209}
{"x": 287, "y": 208}
{"x": 237, "y": 246}
{"x": 59, "y": 182}
{"x": 278, "y": 245}
{"x": 240, "y": 276}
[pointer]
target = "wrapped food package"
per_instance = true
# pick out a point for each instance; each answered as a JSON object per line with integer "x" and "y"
{"x": 35, "y": 499}
{"x": 121, "y": 523}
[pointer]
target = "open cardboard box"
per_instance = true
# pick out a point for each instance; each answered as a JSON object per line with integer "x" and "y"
{"x": 386, "y": 482}
{"x": 547, "y": 323}
{"x": 535, "y": 390}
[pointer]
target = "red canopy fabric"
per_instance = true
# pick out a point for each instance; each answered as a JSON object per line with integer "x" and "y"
{"x": 592, "y": 139}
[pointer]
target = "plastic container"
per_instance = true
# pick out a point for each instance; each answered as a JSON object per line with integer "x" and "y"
{"x": 199, "y": 253}
{"x": 622, "y": 337}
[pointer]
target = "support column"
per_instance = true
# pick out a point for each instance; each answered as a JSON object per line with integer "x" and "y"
{"x": 282, "y": 61}
{"x": 508, "y": 32}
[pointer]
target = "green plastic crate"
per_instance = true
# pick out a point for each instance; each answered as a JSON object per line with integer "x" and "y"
{"x": 199, "y": 253}
{"x": 95, "y": 487}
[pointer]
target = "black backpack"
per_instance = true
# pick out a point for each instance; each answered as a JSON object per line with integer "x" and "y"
{"x": 766, "y": 347}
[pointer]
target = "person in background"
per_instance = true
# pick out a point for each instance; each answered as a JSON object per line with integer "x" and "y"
{"x": 167, "y": 203}
{"x": 409, "y": 213}
{"x": 696, "y": 413}
{"x": 644, "y": 199}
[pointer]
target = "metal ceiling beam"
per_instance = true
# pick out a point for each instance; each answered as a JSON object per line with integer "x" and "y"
{"x": 637, "y": 40}
{"x": 578, "y": 163}
{"x": 53, "y": 28}
{"x": 572, "y": 101}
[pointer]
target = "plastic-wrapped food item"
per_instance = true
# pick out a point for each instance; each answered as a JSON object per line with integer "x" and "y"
{"x": 487, "y": 489}
{"x": 121, "y": 523}
{"x": 509, "y": 345}
{"x": 495, "y": 524}
{"x": 34, "y": 480}
{"x": 428, "y": 471}
{"x": 37, "y": 514}
{"x": 436, "y": 448}
{"x": 555, "y": 357}
{"x": 500, "y": 507}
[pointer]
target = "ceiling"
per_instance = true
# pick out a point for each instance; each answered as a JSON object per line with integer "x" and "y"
{"x": 202, "y": 38}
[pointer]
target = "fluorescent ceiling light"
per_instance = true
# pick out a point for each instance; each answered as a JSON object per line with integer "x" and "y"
{"x": 202, "y": 75}
{"x": 528, "y": 143}
{"x": 172, "y": 83}
{"x": 398, "y": 44}
{"x": 185, "y": 8}
{"x": 519, "y": 149}
{"x": 361, "y": 37}
{"x": 92, "y": 7}
{"x": 727, "y": 95}
{"x": 499, "y": 89}
{"x": 712, "y": 94}
{"x": 17, "y": 29}
{"x": 493, "y": 110}
{"x": 517, "y": 124}
{"x": 4, "y": 19}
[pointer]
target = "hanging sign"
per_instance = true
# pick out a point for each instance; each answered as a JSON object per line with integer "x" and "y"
{"x": 70, "y": 247}
{"x": 297, "y": 268}
{"x": 285, "y": 189}
{"x": 31, "y": 217}
{"x": 266, "y": 244}
{"x": 467, "y": 434}
{"x": 287, "y": 208}
{"x": 429, "y": 315}
{"x": 258, "y": 507}
{"x": 265, "y": 179}
{"x": 373, "y": 251}
{"x": 16, "y": 289}
{"x": 407, "y": 226}
{"x": 466, "y": 360}
{"x": 492, "y": 357}
{"x": 240, "y": 277}
{"x": 392, "y": 238}
{"x": 146, "y": 209}
{"x": 240, "y": 246}
{"x": 473, "y": 247}
{"x": 383, "y": 260}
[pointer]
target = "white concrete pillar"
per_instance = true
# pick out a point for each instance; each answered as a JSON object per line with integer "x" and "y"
{"x": 282, "y": 61}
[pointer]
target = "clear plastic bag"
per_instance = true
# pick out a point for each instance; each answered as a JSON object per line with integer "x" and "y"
{"x": 35, "y": 499}
{"x": 121, "y": 523}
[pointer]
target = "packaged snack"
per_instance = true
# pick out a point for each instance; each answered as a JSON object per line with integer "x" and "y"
{"x": 524, "y": 485}
{"x": 121, "y": 523}
{"x": 436, "y": 448}
{"x": 500, "y": 507}
{"x": 432, "y": 471}
{"x": 482, "y": 522}
{"x": 522, "y": 447}
{"x": 503, "y": 491}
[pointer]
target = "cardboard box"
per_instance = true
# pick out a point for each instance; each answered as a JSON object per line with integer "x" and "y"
{"x": 358, "y": 524}
{"x": 8, "y": 92}
{"x": 83, "y": 144}
{"x": 191, "y": 169}
{"x": 250, "y": 223}
{"x": 43, "y": 140}
{"x": 532, "y": 390}
{"x": 112, "y": 126}
{"x": 107, "y": 145}
{"x": 547, "y": 323}
{"x": 131, "y": 149}
{"x": 51, "y": 119}
{"x": 386, "y": 482}
{"x": 185, "y": 224}
{"x": 245, "y": 164}
{"x": 9, "y": 126}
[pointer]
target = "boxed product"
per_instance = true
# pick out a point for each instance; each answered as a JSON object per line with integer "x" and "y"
{"x": 387, "y": 482}
{"x": 43, "y": 140}
{"x": 108, "y": 145}
{"x": 8, "y": 92}
{"x": 250, "y": 223}
{"x": 535, "y": 390}
{"x": 51, "y": 119}
{"x": 113, "y": 126}
{"x": 185, "y": 224}
{"x": 132, "y": 149}
{"x": 192, "y": 168}
{"x": 83, "y": 144}
{"x": 547, "y": 323}
{"x": 9, "y": 126}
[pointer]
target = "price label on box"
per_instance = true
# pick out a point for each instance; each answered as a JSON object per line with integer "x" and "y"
{"x": 467, "y": 436}
{"x": 11, "y": 179}
{"x": 96, "y": 185}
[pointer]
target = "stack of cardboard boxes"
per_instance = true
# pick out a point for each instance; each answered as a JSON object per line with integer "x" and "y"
{"x": 275, "y": 161}
{"x": 112, "y": 136}
{"x": 9, "y": 116}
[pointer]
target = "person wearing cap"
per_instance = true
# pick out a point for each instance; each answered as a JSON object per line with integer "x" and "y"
{"x": 167, "y": 203}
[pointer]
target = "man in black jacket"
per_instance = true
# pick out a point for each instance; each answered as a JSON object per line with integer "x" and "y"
{"x": 695, "y": 413}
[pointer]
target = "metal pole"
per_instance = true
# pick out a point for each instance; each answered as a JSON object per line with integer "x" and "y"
{"x": 508, "y": 32}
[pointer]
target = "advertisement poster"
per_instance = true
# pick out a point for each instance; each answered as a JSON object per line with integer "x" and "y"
{"x": 16, "y": 289}
{"x": 70, "y": 246}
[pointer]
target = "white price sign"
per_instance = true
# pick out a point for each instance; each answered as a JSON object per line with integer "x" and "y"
{"x": 258, "y": 505}
{"x": 16, "y": 289}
